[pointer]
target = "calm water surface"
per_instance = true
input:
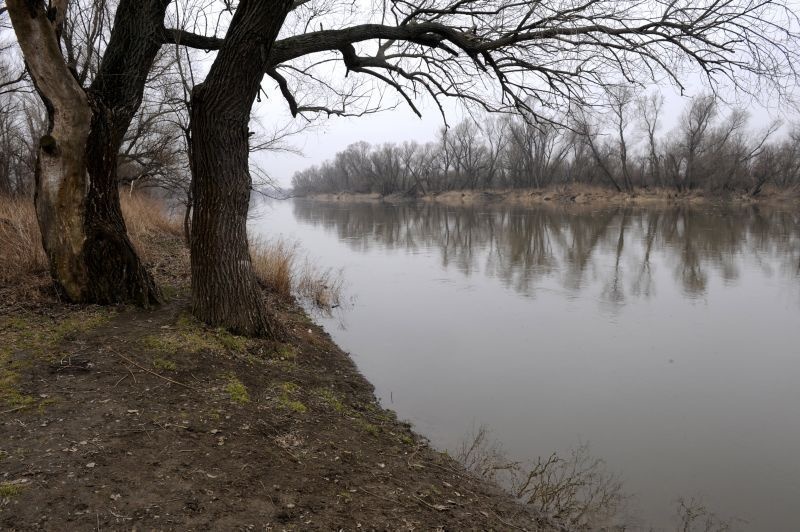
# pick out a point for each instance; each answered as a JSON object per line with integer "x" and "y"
{"x": 668, "y": 339}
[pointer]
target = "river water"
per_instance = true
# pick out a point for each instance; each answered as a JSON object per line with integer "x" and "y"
{"x": 667, "y": 340}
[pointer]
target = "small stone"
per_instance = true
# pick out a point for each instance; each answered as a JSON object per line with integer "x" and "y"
{"x": 90, "y": 465}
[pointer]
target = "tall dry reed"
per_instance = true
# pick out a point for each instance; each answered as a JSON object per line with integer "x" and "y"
{"x": 21, "y": 251}
{"x": 282, "y": 268}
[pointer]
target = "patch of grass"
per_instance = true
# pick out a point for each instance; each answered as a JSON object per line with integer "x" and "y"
{"x": 236, "y": 390}
{"x": 230, "y": 341}
{"x": 286, "y": 400}
{"x": 292, "y": 404}
{"x": 286, "y": 367}
{"x": 368, "y": 427}
{"x": 39, "y": 335}
{"x": 330, "y": 398}
{"x": 146, "y": 216}
{"x": 20, "y": 240}
{"x": 189, "y": 335}
{"x": 187, "y": 321}
{"x": 164, "y": 364}
{"x": 172, "y": 342}
{"x": 23, "y": 339}
{"x": 9, "y": 490}
{"x": 286, "y": 352}
{"x": 290, "y": 388}
{"x": 170, "y": 292}
{"x": 273, "y": 262}
{"x": 382, "y": 414}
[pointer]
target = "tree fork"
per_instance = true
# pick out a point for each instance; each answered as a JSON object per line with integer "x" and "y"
{"x": 77, "y": 200}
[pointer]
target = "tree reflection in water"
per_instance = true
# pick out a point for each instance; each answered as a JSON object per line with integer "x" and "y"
{"x": 522, "y": 246}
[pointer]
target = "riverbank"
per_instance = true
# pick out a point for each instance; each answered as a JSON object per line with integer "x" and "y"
{"x": 120, "y": 418}
{"x": 579, "y": 194}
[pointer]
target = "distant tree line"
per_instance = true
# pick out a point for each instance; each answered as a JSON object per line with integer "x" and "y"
{"x": 621, "y": 146}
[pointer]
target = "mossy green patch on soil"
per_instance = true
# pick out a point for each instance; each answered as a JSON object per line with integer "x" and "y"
{"x": 189, "y": 335}
{"x": 287, "y": 398}
{"x": 332, "y": 400}
{"x": 236, "y": 390}
{"x": 28, "y": 338}
{"x": 367, "y": 427}
{"x": 164, "y": 364}
{"x": 9, "y": 490}
{"x": 286, "y": 352}
{"x": 37, "y": 334}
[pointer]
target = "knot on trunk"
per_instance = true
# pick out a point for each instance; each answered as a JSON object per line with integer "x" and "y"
{"x": 49, "y": 145}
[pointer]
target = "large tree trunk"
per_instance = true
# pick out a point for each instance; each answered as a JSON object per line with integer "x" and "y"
{"x": 77, "y": 199}
{"x": 116, "y": 273}
{"x": 224, "y": 288}
{"x": 61, "y": 179}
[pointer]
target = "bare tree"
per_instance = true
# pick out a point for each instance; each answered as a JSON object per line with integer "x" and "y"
{"x": 620, "y": 98}
{"x": 77, "y": 197}
{"x": 589, "y": 132}
{"x": 650, "y": 108}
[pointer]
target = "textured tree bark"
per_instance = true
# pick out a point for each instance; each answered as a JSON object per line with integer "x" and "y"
{"x": 116, "y": 273}
{"x": 77, "y": 199}
{"x": 61, "y": 179}
{"x": 224, "y": 288}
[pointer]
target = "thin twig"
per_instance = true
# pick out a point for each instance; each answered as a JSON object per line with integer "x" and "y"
{"x": 123, "y": 357}
{"x": 13, "y": 409}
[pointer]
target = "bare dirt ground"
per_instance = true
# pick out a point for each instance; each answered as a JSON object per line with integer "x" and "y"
{"x": 124, "y": 419}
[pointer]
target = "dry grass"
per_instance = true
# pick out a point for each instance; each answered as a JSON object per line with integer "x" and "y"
{"x": 22, "y": 258}
{"x": 156, "y": 234}
{"x": 21, "y": 252}
{"x": 146, "y": 216}
{"x": 280, "y": 265}
{"x": 282, "y": 268}
{"x": 273, "y": 262}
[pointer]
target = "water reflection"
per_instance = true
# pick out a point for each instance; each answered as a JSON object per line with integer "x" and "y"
{"x": 664, "y": 337}
{"x": 522, "y": 246}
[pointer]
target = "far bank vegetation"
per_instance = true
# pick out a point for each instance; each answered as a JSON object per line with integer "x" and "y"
{"x": 622, "y": 145}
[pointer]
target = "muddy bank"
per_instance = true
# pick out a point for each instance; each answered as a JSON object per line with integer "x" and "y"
{"x": 580, "y": 195}
{"x": 118, "y": 418}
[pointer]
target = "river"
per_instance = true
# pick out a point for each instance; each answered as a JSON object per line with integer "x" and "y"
{"x": 665, "y": 339}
